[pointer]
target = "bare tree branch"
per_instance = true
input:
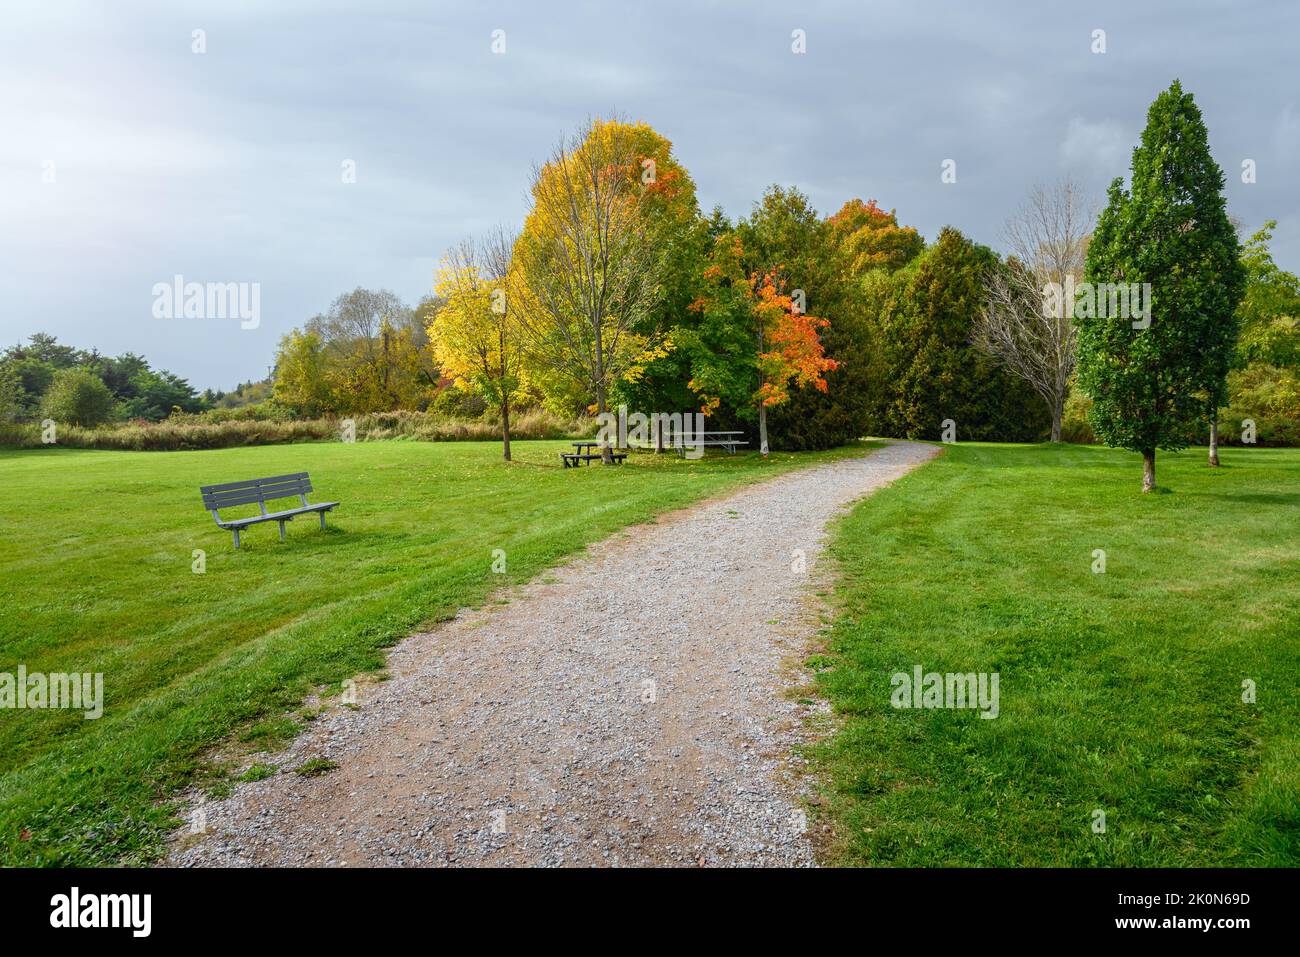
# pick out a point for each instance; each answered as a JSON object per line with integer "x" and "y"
{"x": 1047, "y": 242}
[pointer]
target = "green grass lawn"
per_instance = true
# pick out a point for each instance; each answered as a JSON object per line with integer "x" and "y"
{"x": 95, "y": 576}
{"x": 1120, "y": 692}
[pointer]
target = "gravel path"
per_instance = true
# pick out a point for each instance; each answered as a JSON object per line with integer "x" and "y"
{"x": 629, "y": 708}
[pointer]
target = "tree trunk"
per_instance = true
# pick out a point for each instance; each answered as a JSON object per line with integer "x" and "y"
{"x": 1149, "y": 470}
{"x": 762, "y": 408}
{"x": 600, "y": 371}
{"x": 1214, "y": 442}
{"x": 505, "y": 429}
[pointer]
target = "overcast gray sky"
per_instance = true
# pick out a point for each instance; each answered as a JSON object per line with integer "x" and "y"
{"x": 226, "y": 166}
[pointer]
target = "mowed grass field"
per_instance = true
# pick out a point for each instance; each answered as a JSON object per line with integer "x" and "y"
{"x": 96, "y": 554}
{"x": 1120, "y": 692}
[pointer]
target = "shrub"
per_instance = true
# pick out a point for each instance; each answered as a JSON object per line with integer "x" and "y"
{"x": 457, "y": 403}
{"x": 78, "y": 397}
{"x": 1075, "y": 426}
{"x": 1270, "y": 397}
{"x": 268, "y": 411}
{"x": 1267, "y": 395}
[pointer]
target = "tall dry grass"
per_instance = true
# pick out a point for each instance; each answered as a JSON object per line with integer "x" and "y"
{"x": 189, "y": 432}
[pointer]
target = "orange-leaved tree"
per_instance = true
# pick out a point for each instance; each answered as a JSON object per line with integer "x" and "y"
{"x": 869, "y": 238}
{"x": 789, "y": 347}
{"x": 753, "y": 341}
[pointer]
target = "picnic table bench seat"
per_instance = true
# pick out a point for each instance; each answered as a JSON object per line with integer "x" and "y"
{"x": 260, "y": 491}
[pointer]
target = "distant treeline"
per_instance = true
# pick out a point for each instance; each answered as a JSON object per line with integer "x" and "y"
{"x": 44, "y": 378}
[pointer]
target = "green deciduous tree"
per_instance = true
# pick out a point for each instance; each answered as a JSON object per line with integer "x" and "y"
{"x": 11, "y": 394}
{"x": 1264, "y": 385}
{"x": 1269, "y": 312}
{"x": 755, "y": 342}
{"x": 1169, "y": 233}
{"x": 854, "y": 247}
{"x": 33, "y": 377}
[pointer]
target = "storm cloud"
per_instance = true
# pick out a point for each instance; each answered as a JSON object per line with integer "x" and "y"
{"x": 127, "y": 158}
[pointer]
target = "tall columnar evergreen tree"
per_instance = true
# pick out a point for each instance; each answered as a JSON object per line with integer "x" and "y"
{"x": 1155, "y": 378}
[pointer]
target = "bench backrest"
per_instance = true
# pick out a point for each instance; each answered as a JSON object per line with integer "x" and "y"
{"x": 260, "y": 491}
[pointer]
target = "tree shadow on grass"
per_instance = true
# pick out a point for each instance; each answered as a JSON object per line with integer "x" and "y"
{"x": 1257, "y": 498}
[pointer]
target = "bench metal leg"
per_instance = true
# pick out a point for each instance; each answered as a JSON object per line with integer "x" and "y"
{"x": 282, "y": 531}
{"x": 236, "y": 531}
{"x": 322, "y": 520}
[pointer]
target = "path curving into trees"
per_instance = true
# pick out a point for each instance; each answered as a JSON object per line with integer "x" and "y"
{"x": 633, "y": 707}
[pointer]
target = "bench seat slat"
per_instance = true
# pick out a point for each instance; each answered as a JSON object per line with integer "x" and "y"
{"x": 277, "y": 516}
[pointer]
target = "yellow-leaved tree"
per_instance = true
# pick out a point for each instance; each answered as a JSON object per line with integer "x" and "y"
{"x": 367, "y": 353}
{"x": 301, "y": 375}
{"x": 593, "y": 259}
{"x": 475, "y": 334}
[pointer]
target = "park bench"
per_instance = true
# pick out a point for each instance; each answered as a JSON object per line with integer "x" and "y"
{"x": 261, "y": 491}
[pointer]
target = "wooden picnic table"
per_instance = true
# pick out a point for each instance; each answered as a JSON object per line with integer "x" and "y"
{"x": 718, "y": 439}
{"x": 687, "y": 435}
{"x": 571, "y": 459}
